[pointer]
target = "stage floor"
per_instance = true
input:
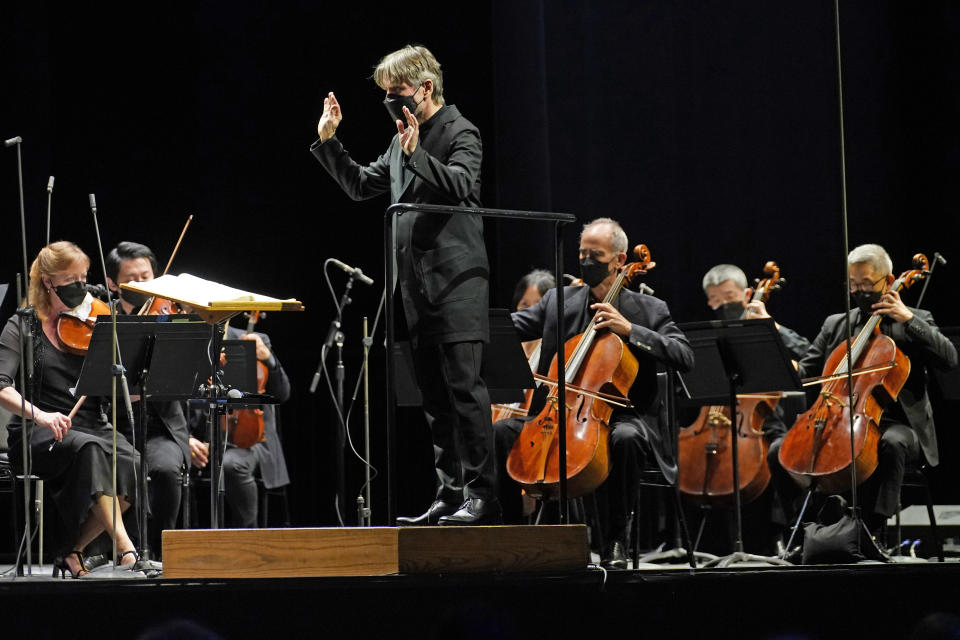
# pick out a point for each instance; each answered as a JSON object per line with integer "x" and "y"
{"x": 837, "y": 601}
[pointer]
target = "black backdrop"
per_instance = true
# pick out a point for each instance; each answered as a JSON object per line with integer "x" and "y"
{"x": 709, "y": 129}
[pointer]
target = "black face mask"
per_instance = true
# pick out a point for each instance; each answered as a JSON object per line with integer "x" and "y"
{"x": 395, "y": 105}
{"x": 729, "y": 311}
{"x": 865, "y": 300}
{"x": 593, "y": 272}
{"x": 134, "y": 298}
{"x": 71, "y": 294}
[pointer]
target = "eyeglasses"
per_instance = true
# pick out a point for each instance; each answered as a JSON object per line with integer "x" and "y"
{"x": 865, "y": 286}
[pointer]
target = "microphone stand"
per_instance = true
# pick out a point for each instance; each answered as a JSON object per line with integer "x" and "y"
{"x": 26, "y": 314}
{"x": 119, "y": 374}
{"x": 49, "y": 204}
{"x": 926, "y": 283}
{"x": 26, "y": 369}
{"x": 335, "y": 336}
{"x": 364, "y": 502}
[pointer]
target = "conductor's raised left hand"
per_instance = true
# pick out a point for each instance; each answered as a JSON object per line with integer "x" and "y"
{"x": 409, "y": 134}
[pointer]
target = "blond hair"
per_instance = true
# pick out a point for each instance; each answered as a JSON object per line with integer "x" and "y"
{"x": 53, "y": 258}
{"x": 412, "y": 65}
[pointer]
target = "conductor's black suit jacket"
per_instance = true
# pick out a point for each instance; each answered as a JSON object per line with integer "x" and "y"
{"x": 920, "y": 340}
{"x": 441, "y": 260}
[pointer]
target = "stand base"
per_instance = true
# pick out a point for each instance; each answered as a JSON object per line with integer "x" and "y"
{"x": 739, "y": 558}
{"x": 678, "y": 556}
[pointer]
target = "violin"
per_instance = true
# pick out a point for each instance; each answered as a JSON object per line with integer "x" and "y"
{"x": 244, "y": 427}
{"x": 156, "y": 306}
{"x": 74, "y": 334}
{"x": 817, "y": 449}
{"x": 705, "y": 459}
{"x": 598, "y": 364}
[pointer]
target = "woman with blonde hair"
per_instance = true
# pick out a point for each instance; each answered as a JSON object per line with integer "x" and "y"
{"x": 72, "y": 455}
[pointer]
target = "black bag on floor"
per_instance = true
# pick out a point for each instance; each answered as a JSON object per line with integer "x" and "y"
{"x": 838, "y": 537}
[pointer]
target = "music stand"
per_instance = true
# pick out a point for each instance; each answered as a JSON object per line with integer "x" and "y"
{"x": 504, "y": 368}
{"x": 731, "y": 357}
{"x": 163, "y": 361}
{"x": 240, "y": 368}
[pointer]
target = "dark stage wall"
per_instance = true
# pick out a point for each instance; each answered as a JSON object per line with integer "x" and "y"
{"x": 709, "y": 129}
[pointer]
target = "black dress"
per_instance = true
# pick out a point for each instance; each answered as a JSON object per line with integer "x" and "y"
{"x": 78, "y": 469}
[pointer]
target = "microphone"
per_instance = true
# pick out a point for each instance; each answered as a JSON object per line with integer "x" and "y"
{"x": 235, "y": 394}
{"x": 93, "y": 203}
{"x": 939, "y": 258}
{"x": 50, "y": 185}
{"x": 356, "y": 274}
{"x": 12, "y": 141}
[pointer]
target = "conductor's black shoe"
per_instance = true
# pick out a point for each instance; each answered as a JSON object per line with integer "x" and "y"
{"x": 431, "y": 517}
{"x": 476, "y": 511}
{"x": 615, "y": 556}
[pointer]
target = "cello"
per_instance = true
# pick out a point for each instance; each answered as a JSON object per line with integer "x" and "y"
{"x": 817, "y": 449}
{"x": 704, "y": 456}
{"x": 599, "y": 373}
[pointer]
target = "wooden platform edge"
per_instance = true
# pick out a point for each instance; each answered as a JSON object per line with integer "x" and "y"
{"x": 371, "y": 551}
{"x": 279, "y": 553}
{"x": 501, "y": 548}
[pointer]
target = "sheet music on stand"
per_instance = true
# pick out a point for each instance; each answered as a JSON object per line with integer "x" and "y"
{"x": 215, "y": 303}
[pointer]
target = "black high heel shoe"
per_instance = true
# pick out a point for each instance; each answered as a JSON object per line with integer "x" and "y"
{"x": 136, "y": 557}
{"x": 60, "y": 565}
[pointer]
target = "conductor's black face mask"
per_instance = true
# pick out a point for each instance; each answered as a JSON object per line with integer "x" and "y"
{"x": 395, "y": 104}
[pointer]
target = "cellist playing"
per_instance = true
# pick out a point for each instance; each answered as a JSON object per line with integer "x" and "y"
{"x": 644, "y": 323}
{"x": 907, "y": 430}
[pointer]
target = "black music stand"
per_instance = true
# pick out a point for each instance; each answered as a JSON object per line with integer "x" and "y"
{"x": 737, "y": 356}
{"x": 240, "y": 369}
{"x": 504, "y": 368}
{"x": 163, "y": 360}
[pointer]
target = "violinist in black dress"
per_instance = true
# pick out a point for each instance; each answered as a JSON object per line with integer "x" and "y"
{"x": 73, "y": 455}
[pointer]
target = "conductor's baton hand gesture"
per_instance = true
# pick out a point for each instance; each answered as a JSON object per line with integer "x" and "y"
{"x": 330, "y": 119}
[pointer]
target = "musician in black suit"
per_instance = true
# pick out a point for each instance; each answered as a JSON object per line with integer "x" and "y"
{"x": 644, "y": 324}
{"x": 168, "y": 453}
{"x": 442, "y": 270}
{"x": 907, "y": 426}
{"x": 730, "y": 298}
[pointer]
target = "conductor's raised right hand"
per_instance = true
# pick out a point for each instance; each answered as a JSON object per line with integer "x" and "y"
{"x": 330, "y": 119}
{"x": 58, "y": 423}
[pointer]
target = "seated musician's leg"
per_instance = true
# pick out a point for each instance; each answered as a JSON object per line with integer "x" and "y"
{"x": 165, "y": 466}
{"x": 505, "y": 433}
{"x": 239, "y": 466}
{"x": 788, "y": 491}
{"x": 627, "y": 451}
{"x": 898, "y": 447}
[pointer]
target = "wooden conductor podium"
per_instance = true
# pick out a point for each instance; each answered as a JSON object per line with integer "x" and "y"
{"x": 372, "y": 551}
